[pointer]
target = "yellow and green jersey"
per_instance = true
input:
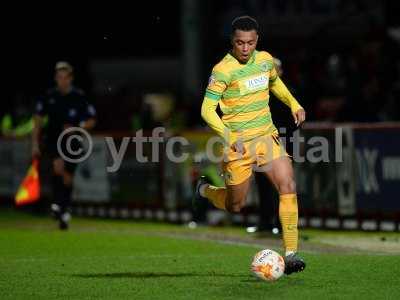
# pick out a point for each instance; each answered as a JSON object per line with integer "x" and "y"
{"x": 243, "y": 93}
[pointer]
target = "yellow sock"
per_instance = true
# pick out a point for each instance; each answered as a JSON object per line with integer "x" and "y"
{"x": 216, "y": 195}
{"x": 288, "y": 214}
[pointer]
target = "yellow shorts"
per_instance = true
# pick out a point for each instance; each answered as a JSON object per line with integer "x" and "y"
{"x": 258, "y": 152}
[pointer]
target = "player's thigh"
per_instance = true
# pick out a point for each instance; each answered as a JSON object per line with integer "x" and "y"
{"x": 280, "y": 173}
{"x": 236, "y": 195}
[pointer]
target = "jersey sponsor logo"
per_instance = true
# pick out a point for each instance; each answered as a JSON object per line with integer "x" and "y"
{"x": 254, "y": 84}
{"x": 257, "y": 82}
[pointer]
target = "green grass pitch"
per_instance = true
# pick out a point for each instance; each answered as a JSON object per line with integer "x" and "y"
{"x": 102, "y": 259}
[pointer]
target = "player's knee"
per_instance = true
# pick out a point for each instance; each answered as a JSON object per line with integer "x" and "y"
{"x": 287, "y": 186}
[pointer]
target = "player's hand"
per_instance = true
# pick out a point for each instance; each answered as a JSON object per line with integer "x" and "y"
{"x": 238, "y": 147}
{"x": 299, "y": 116}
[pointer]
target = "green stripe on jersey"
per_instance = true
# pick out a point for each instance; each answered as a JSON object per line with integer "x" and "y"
{"x": 230, "y": 93}
{"x": 235, "y": 93}
{"x": 245, "y": 107}
{"x": 250, "y": 70}
{"x": 212, "y": 95}
{"x": 257, "y": 122}
{"x": 221, "y": 77}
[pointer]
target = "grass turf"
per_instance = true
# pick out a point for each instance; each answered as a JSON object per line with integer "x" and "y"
{"x": 125, "y": 260}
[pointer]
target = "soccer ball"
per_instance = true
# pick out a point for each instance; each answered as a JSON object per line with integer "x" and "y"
{"x": 268, "y": 265}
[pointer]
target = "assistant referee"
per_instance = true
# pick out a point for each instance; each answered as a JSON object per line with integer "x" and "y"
{"x": 65, "y": 106}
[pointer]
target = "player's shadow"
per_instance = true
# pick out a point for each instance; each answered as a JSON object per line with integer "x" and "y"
{"x": 155, "y": 275}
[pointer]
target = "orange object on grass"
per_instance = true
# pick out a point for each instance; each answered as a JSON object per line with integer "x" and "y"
{"x": 29, "y": 190}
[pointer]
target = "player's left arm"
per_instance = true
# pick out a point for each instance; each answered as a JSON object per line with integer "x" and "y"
{"x": 280, "y": 90}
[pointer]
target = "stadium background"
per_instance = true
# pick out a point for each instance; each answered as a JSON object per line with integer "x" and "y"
{"x": 149, "y": 66}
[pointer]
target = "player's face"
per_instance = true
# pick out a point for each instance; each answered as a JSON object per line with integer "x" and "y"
{"x": 63, "y": 79}
{"x": 243, "y": 44}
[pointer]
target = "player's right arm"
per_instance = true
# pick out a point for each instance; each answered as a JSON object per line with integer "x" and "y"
{"x": 209, "y": 114}
{"x": 217, "y": 84}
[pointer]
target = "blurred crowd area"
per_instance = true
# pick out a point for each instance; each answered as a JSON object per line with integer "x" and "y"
{"x": 354, "y": 82}
{"x": 341, "y": 59}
